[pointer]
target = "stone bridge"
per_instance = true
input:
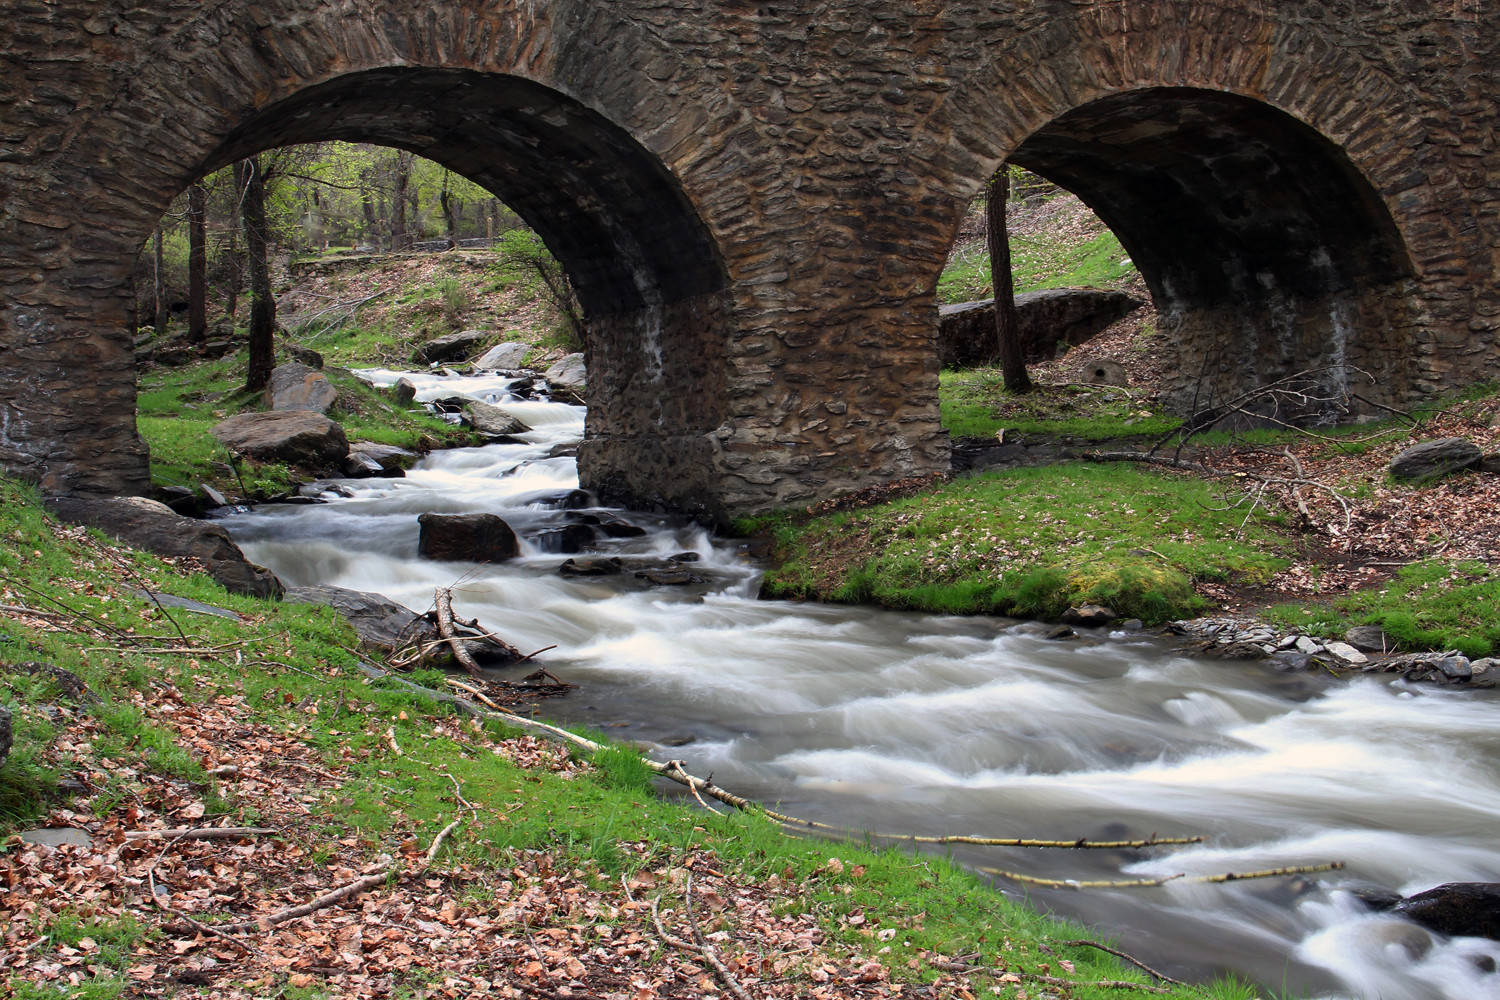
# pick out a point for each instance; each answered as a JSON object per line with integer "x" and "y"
{"x": 755, "y": 197}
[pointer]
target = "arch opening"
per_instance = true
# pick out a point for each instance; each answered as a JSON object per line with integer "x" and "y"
{"x": 1264, "y": 247}
{"x": 647, "y": 274}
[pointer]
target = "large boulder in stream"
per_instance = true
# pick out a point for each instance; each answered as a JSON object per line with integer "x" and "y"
{"x": 491, "y": 421}
{"x": 297, "y": 437}
{"x": 295, "y": 386}
{"x": 1048, "y": 318}
{"x": 383, "y": 625}
{"x": 452, "y": 347}
{"x": 385, "y": 628}
{"x": 1457, "y": 909}
{"x": 466, "y": 538}
{"x": 506, "y": 357}
{"x": 147, "y": 524}
{"x": 567, "y": 373}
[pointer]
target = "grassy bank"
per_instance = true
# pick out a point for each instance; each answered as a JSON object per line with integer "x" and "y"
{"x": 1028, "y": 542}
{"x": 548, "y": 882}
{"x": 178, "y": 407}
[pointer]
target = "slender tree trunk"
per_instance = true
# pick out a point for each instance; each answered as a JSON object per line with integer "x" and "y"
{"x": 450, "y": 213}
{"x": 252, "y": 186}
{"x": 197, "y": 263}
{"x": 1007, "y": 327}
{"x": 400, "y": 238}
{"x": 232, "y": 295}
{"x": 372, "y": 224}
{"x": 161, "y": 284}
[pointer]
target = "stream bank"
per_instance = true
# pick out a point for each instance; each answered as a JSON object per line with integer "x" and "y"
{"x": 911, "y": 723}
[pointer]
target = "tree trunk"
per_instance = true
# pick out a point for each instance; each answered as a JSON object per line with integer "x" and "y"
{"x": 232, "y": 294}
{"x": 400, "y": 238}
{"x": 1007, "y": 332}
{"x": 371, "y": 231}
{"x": 450, "y": 213}
{"x": 197, "y": 263}
{"x": 252, "y": 184}
{"x": 160, "y": 317}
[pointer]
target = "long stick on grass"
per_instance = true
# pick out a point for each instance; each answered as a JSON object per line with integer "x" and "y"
{"x": 675, "y": 770}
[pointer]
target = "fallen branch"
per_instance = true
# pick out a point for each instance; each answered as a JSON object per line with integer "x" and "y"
{"x": 337, "y": 895}
{"x": 198, "y": 926}
{"x": 963, "y": 968}
{"x": 444, "y": 602}
{"x": 701, "y": 949}
{"x": 201, "y": 833}
{"x": 1151, "y": 883}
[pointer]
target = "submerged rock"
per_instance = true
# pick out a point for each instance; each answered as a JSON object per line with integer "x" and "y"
{"x": 569, "y": 538}
{"x": 466, "y": 538}
{"x": 1456, "y": 909}
{"x": 153, "y": 526}
{"x": 591, "y": 567}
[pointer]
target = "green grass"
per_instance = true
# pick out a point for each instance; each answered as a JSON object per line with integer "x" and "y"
{"x": 1428, "y": 605}
{"x": 975, "y": 404}
{"x": 177, "y": 409}
{"x": 386, "y": 797}
{"x": 1037, "y": 263}
{"x": 1029, "y": 542}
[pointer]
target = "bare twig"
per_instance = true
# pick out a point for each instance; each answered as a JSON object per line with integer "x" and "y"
{"x": 1121, "y": 955}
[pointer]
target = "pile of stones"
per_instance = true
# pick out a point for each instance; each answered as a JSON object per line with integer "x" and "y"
{"x": 1366, "y": 649}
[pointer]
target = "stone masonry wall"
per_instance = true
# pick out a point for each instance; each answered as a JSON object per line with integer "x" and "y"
{"x": 810, "y": 163}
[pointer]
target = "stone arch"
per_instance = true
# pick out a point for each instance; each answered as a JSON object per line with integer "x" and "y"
{"x": 560, "y": 110}
{"x": 1266, "y": 250}
{"x": 1258, "y": 172}
{"x": 648, "y": 274}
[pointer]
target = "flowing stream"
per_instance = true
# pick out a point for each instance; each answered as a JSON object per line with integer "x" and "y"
{"x": 931, "y": 725}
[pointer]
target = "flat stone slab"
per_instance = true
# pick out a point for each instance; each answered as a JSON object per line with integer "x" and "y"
{"x": 58, "y": 836}
{"x": 295, "y": 386}
{"x": 1432, "y": 459}
{"x": 155, "y": 527}
{"x": 185, "y": 604}
{"x": 383, "y": 625}
{"x": 451, "y": 347}
{"x": 1047, "y": 319}
{"x": 299, "y": 437}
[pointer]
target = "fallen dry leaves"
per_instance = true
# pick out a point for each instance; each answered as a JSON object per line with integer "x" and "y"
{"x": 531, "y": 924}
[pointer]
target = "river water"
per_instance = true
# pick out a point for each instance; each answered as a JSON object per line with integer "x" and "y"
{"x": 936, "y": 725}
